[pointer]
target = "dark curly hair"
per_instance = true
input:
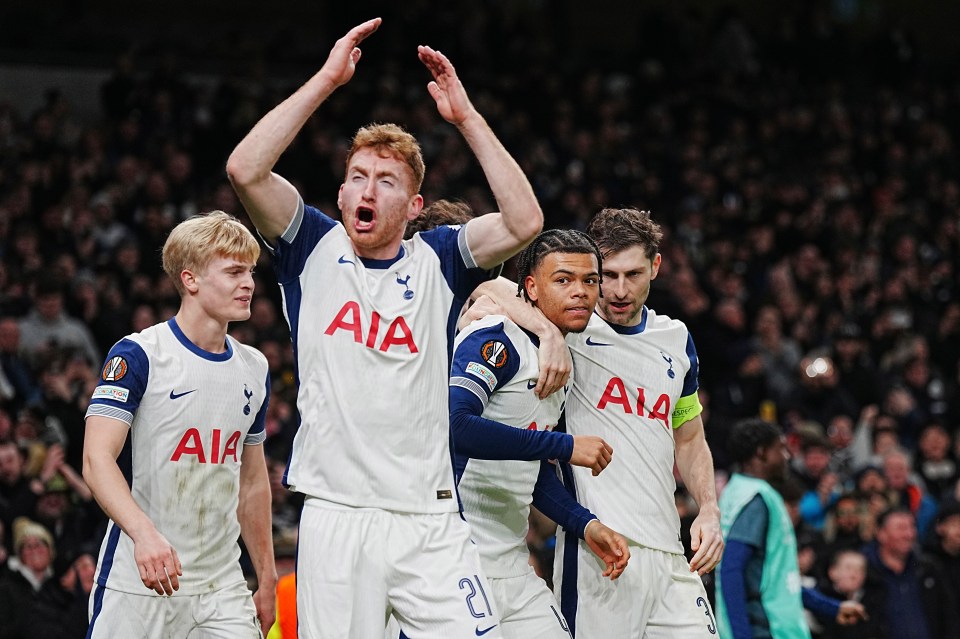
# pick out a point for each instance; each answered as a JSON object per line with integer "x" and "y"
{"x": 553, "y": 241}
{"x": 748, "y": 436}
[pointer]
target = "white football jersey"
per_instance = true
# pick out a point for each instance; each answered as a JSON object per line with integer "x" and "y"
{"x": 372, "y": 340}
{"x": 498, "y": 362}
{"x": 190, "y": 414}
{"x": 627, "y": 388}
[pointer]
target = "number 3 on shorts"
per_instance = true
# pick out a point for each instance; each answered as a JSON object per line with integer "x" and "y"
{"x": 473, "y": 587}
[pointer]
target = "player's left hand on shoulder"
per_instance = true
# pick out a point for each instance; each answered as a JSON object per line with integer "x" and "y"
{"x": 706, "y": 541}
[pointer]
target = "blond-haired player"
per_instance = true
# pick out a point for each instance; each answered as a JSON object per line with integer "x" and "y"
{"x": 173, "y": 455}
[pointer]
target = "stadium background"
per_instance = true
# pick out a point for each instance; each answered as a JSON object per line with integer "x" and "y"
{"x": 801, "y": 156}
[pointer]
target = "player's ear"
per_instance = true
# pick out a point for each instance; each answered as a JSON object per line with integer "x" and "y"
{"x": 656, "y": 266}
{"x": 416, "y": 205}
{"x": 189, "y": 280}
{"x": 530, "y": 285}
{"x": 340, "y": 198}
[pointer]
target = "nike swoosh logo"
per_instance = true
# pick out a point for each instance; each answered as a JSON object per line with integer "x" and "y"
{"x": 179, "y": 395}
{"x": 590, "y": 342}
{"x": 531, "y": 383}
{"x": 344, "y": 261}
{"x": 480, "y": 633}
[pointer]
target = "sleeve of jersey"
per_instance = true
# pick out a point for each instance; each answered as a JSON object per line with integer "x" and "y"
{"x": 483, "y": 362}
{"x": 122, "y": 384}
{"x": 553, "y": 499}
{"x": 688, "y": 406}
{"x": 736, "y": 555}
{"x": 293, "y": 248}
{"x": 456, "y": 261}
{"x": 258, "y": 431}
{"x": 819, "y": 604}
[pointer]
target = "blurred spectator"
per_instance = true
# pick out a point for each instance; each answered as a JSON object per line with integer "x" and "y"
{"x": 847, "y": 579}
{"x": 60, "y": 611}
{"x": 917, "y": 603}
{"x": 943, "y": 547}
{"x": 821, "y": 484}
{"x": 934, "y": 461}
{"x": 17, "y": 385}
{"x": 840, "y": 435}
{"x": 906, "y": 492}
{"x": 18, "y": 493}
{"x": 28, "y": 569}
{"x": 48, "y": 325}
{"x": 843, "y": 529}
{"x": 851, "y": 356}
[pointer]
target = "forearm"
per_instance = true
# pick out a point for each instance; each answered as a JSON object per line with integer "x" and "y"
{"x": 110, "y": 489}
{"x": 819, "y": 604}
{"x": 482, "y": 438}
{"x": 552, "y": 499}
{"x": 520, "y": 217}
{"x": 253, "y": 513}
{"x": 255, "y": 156}
{"x": 504, "y": 293}
{"x": 695, "y": 463}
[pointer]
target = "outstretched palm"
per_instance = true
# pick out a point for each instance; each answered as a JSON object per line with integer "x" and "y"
{"x": 446, "y": 89}
{"x": 343, "y": 58}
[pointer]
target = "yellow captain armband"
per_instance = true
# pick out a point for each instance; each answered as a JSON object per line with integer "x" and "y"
{"x": 686, "y": 409}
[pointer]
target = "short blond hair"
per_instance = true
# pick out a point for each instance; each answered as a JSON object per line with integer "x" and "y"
{"x": 392, "y": 139}
{"x": 193, "y": 243}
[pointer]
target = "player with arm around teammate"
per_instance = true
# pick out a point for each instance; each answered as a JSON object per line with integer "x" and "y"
{"x": 497, "y": 420}
{"x": 635, "y": 385}
{"x": 182, "y": 405}
{"x": 369, "y": 312}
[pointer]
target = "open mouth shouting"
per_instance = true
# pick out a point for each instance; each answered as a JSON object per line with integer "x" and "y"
{"x": 365, "y": 219}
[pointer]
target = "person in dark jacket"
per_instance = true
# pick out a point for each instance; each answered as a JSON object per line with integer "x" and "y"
{"x": 847, "y": 580}
{"x": 918, "y": 604}
{"x": 944, "y": 547}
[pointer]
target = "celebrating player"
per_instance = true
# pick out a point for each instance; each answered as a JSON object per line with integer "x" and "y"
{"x": 371, "y": 317}
{"x": 193, "y": 478}
{"x": 491, "y": 389}
{"x": 635, "y": 385}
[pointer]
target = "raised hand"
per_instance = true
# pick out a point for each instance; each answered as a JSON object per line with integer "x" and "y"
{"x": 343, "y": 58}
{"x": 609, "y": 546}
{"x": 591, "y": 452}
{"x": 446, "y": 89}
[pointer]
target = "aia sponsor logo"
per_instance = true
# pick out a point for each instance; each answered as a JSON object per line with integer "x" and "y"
{"x": 615, "y": 394}
{"x": 372, "y": 334}
{"x": 216, "y": 451}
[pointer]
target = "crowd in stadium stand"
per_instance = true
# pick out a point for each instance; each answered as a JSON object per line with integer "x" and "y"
{"x": 812, "y": 248}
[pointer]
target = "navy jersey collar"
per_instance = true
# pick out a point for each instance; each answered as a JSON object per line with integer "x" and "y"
{"x": 629, "y": 330}
{"x": 370, "y": 262}
{"x": 196, "y": 350}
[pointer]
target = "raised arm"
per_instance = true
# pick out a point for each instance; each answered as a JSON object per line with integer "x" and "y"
{"x": 156, "y": 559}
{"x": 695, "y": 463}
{"x": 494, "y": 237}
{"x": 253, "y": 514}
{"x": 270, "y": 200}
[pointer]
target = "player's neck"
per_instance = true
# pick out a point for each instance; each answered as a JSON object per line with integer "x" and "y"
{"x": 204, "y": 331}
{"x": 388, "y": 252}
